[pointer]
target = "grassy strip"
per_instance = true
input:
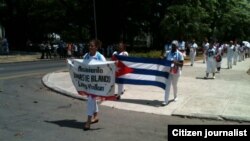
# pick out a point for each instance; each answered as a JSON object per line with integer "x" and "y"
{"x": 157, "y": 54}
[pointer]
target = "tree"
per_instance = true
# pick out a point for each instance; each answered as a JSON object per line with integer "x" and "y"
{"x": 235, "y": 20}
{"x": 124, "y": 20}
{"x": 187, "y": 19}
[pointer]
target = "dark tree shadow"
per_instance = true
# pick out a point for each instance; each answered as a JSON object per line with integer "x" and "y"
{"x": 70, "y": 124}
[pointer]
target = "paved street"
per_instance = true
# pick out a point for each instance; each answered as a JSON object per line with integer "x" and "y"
{"x": 30, "y": 111}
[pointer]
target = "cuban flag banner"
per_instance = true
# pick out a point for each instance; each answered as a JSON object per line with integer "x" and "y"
{"x": 94, "y": 78}
{"x": 142, "y": 71}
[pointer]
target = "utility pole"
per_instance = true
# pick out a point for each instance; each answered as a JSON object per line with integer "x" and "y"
{"x": 95, "y": 19}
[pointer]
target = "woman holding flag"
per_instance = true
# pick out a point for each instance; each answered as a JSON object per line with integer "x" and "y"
{"x": 121, "y": 51}
{"x": 177, "y": 62}
{"x": 92, "y": 107}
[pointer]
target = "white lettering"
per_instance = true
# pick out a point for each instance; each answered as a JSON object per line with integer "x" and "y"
{"x": 174, "y": 132}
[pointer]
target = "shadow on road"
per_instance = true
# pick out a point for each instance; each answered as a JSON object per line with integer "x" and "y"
{"x": 209, "y": 78}
{"x": 154, "y": 103}
{"x": 71, "y": 124}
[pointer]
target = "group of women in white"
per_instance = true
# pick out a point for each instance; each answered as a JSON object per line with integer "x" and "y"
{"x": 175, "y": 52}
{"x": 213, "y": 53}
{"x": 212, "y": 57}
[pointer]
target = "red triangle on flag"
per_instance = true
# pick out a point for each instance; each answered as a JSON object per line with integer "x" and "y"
{"x": 122, "y": 69}
{"x": 113, "y": 58}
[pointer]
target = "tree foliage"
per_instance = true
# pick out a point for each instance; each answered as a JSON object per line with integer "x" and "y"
{"x": 223, "y": 20}
{"x": 124, "y": 20}
{"x": 186, "y": 21}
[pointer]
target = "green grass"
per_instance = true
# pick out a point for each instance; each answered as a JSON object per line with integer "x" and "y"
{"x": 150, "y": 54}
{"x": 157, "y": 54}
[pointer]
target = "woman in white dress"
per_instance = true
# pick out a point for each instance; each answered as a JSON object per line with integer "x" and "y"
{"x": 211, "y": 66}
{"x": 121, "y": 51}
{"x": 92, "y": 107}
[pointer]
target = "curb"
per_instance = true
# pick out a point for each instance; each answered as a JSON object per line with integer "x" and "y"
{"x": 51, "y": 86}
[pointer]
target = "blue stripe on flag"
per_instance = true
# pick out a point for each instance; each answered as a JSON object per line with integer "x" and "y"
{"x": 150, "y": 72}
{"x": 144, "y": 60}
{"x": 140, "y": 82}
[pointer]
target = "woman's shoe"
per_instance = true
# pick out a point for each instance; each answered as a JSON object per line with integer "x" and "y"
{"x": 86, "y": 127}
{"x": 164, "y": 103}
{"x": 94, "y": 121}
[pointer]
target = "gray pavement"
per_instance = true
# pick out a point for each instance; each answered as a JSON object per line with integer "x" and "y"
{"x": 225, "y": 98}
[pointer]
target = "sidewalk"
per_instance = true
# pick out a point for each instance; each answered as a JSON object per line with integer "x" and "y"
{"x": 225, "y": 98}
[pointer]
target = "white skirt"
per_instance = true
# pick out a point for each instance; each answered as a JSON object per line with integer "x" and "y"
{"x": 211, "y": 65}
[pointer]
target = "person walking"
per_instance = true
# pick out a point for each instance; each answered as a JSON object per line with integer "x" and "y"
{"x": 182, "y": 47}
{"x": 92, "y": 107}
{"x": 69, "y": 50}
{"x": 48, "y": 50}
{"x": 177, "y": 62}
{"x": 236, "y": 53}
{"x": 211, "y": 66}
{"x": 218, "y": 56}
{"x": 241, "y": 52}
{"x": 193, "y": 48}
{"x": 121, "y": 51}
{"x": 5, "y": 46}
{"x": 167, "y": 48}
{"x": 230, "y": 53}
{"x": 42, "y": 48}
{"x": 205, "y": 46}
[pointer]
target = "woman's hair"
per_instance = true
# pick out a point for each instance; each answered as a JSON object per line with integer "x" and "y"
{"x": 97, "y": 43}
{"x": 123, "y": 44}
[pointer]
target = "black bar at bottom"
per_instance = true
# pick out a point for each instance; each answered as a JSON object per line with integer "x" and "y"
{"x": 208, "y": 132}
